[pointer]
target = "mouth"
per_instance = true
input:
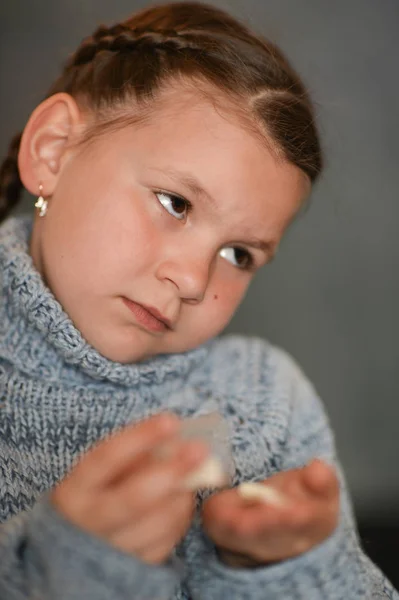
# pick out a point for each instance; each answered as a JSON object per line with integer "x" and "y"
{"x": 148, "y": 317}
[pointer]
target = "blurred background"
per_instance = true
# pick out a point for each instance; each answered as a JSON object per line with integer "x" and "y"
{"x": 331, "y": 298}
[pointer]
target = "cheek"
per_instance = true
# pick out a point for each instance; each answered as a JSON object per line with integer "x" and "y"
{"x": 98, "y": 249}
{"x": 224, "y": 299}
{"x": 209, "y": 319}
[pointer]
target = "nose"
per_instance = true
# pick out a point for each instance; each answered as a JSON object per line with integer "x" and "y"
{"x": 189, "y": 274}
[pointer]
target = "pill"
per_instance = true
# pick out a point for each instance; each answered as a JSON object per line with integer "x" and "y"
{"x": 259, "y": 491}
{"x": 209, "y": 474}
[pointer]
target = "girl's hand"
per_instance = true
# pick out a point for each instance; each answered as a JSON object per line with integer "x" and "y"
{"x": 254, "y": 533}
{"x": 124, "y": 492}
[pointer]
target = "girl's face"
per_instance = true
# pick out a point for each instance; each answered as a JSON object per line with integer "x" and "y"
{"x": 154, "y": 232}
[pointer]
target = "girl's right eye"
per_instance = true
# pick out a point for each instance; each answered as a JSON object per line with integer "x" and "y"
{"x": 176, "y": 206}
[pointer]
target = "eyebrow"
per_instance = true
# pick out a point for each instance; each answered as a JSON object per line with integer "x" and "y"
{"x": 189, "y": 181}
{"x": 192, "y": 183}
{"x": 268, "y": 247}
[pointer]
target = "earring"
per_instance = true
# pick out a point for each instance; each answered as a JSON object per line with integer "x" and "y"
{"x": 41, "y": 203}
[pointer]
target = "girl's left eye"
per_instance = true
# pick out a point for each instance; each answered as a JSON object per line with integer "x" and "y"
{"x": 175, "y": 205}
{"x": 238, "y": 257}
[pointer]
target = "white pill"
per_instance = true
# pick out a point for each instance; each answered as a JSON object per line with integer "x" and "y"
{"x": 209, "y": 474}
{"x": 259, "y": 491}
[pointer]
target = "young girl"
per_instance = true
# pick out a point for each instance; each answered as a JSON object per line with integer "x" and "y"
{"x": 169, "y": 159}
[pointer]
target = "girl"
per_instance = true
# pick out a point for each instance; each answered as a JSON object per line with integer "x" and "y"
{"x": 169, "y": 159}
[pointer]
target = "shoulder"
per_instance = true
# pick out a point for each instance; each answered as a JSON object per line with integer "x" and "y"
{"x": 268, "y": 389}
{"x": 265, "y": 378}
{"x": 242, "y": 362}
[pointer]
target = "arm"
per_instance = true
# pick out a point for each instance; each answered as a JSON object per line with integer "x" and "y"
{"x": 335, "y": 569}
{"x": 44, "y": 556}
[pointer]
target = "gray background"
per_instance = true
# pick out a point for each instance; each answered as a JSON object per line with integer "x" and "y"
{"x": 331, "y": 298}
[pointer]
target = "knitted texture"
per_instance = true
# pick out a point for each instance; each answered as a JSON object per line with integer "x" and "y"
{"x": 59, "y": 396}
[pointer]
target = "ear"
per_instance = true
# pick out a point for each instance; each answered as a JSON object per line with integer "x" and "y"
{"x": 46, "y": 142}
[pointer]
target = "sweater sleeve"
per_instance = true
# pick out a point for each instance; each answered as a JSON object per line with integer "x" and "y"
{"x": 44, "y": 556}
{"x": 334, "y": 570}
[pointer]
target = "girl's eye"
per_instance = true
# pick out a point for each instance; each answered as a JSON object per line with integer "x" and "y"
{"x": 238, "y": 257}
{"x": 175, "y": 205}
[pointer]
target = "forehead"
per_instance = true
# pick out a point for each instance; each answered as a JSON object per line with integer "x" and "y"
{"x": 210, "y": 144}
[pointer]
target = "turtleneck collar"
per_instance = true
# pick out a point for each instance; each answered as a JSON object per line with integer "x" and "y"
{"x": 39, "y": 338}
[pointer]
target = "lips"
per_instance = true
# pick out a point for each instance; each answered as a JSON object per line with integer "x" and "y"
{"x": 147, "y": 316}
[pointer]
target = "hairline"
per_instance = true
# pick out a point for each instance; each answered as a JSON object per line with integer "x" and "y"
{"x": 228, "y": 106}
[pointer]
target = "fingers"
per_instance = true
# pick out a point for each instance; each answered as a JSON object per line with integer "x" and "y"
{"x": 149, "y": 485}
{"x": 110, "y": 459}
{"x": 153, "y": 535}
{"x": 162, "y": 477}
{"x": 228, "y": 511}
{"x": 311, "y": 495}
{"x": 270, "y": 531}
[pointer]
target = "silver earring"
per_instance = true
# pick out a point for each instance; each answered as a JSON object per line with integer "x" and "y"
{"x": 41, "y": 203}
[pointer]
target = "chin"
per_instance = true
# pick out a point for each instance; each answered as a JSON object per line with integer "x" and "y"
{"x": 126, "y": 355}
{"x": 122, "y": 348}
{"x": 119, "y": 356}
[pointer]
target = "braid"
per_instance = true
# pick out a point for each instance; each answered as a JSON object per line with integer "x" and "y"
{"x": 128, "y": 63}
{"x": 10, "y": 182}
{"x": 121, "y": 38}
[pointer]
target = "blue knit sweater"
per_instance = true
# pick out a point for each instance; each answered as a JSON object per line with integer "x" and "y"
{"x": 59, "y": 396}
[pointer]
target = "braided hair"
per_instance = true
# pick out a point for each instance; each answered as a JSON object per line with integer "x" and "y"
{"x": 134, "y": 59}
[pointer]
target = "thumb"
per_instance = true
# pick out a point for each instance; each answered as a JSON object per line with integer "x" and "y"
{"x": 320, "y": 478}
